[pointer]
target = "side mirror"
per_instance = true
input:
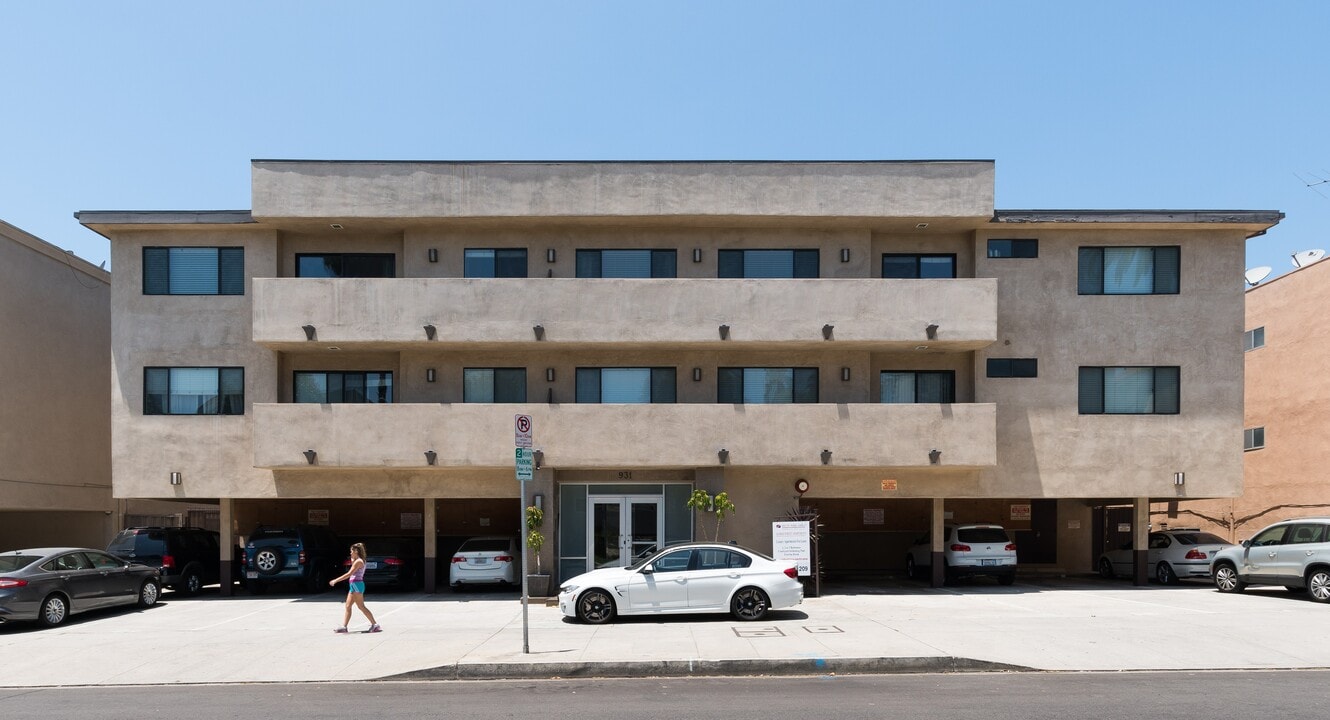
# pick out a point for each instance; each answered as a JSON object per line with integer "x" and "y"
{"x": 1246, "y": 543}
{"x": 648, "y": 569}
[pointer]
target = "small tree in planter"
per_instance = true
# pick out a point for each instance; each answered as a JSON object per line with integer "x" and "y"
{"x": 702, "y": 501}
{"x": 537, "y": 584}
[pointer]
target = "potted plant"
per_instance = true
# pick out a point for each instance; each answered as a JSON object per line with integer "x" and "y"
{"x": 538, "y": 583}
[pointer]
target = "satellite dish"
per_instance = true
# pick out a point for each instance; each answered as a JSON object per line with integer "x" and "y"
{"x": 1257, "y": 274}
{"x": 1307, "y": 257}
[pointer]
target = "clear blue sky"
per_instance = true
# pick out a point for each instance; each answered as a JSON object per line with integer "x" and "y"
{"x": 1157, "y": 105}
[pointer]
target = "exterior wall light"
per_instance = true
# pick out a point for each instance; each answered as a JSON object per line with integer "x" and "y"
{"x": 433, "y": 254}
{"x": 549, "y": 374}
{"x": 845, "y": 374}
{"x": 549, "y": 255}
{"x": 309, "y": 331}
{"x": 724, "y": 332}
{"x": 934, "y": 456}
{"x": 431, "y": 332}
{"x": 1179, "y": 478}
{"x": 539, "y": 330}
{"x": 431, "y": 456}
{"x": 697, "y": 254}
{"x": 844, "y": 254}
{"x": 697, "y": 374}
{"x": 931, "y": 331}
{"x": 175, "y": 478}
{"x": 827, "y": 330}
{"x": 538, "y": 456}
{"x": 724, "y": 456}
{"x": 311, "y": 456}
{"x": 429, "y": 375}
{"x": 826, "y": 457}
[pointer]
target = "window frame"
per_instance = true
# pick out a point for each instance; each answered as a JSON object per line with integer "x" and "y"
{"x": 1029, "y": 368}
{"x": 652, "y": 259}
{"x": 1081, "y": 379}
{"x": 392, "y": 383}
{"x": 342, "y": 257}
{"x": 526, "y": 262}
{"x": 1250, "y": 438}
{"x": 917, "y": 373}
{"x": 1018, "y": 249}
{"x": 918, "y": 265}
{"x": 1087, "y": 287}
{"x": 795, "y": 262}
{"x": 239, "y": 410}
{"x": 226, "y": 286}
{"x": 494, "y": 385}
{"x": 795, "y": 384}
{"x": 578, "y": 373}
{"x": 1249, "y": 339}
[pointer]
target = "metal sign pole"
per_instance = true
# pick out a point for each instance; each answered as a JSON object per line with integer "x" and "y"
{"x": 525, "y": 471}
{"x": 521, "y": 507}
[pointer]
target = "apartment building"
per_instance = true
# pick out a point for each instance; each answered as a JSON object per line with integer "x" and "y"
{"x": 870, "y": 340}
{"x": 55, "y": 433}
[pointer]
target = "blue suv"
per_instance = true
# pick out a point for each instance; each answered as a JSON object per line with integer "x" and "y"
{"x": 307, "y": 556}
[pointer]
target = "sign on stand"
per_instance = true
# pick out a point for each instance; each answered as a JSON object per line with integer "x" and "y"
{"x": 526, "y": 468}
{"x": 790, "y": 542}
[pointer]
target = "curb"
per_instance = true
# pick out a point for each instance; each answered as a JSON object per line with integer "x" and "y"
{"x": 707, "y": 668}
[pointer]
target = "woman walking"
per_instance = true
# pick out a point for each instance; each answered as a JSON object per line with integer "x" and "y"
{"x": 355, "y": 594}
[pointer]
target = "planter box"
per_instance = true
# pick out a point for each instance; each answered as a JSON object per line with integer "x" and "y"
{"x": 538, "y": 585}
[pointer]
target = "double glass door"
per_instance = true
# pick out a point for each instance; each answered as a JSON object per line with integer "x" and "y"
{"x": 623, "y": 528}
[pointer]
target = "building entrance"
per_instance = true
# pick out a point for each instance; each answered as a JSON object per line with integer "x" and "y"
{"x": 623, "y": 528}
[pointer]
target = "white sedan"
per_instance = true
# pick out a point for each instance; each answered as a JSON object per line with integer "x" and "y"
{"x": 1173, "y": 554}
{"x": 693, "y": 578}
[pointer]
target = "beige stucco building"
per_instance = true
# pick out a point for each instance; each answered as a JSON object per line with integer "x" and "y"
{"x": 55, "y": 433}
{"x": 353, "y": 350}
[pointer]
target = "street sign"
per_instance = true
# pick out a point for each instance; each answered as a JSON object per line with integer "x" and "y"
{"x": 526, "y": 464}
{"x": 522, "y": 431}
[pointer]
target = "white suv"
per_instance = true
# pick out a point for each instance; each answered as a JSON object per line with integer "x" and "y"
{"x": 967, "y": 550}
{"x": 1293, "y": 553}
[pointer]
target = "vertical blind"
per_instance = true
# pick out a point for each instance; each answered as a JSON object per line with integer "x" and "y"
{"x": 193, "y": 271}
{"x": 1129, "y": 390}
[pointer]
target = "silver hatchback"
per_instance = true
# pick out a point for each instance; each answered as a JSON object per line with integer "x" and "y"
{"x": 1293, "y": 553}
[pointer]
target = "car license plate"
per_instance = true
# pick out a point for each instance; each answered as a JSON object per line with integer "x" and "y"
{"x": 480, "y": 561}
{"x": 988, "y": 562}
{"x": 371, "y": 566}
{"x": 251, "y": 575}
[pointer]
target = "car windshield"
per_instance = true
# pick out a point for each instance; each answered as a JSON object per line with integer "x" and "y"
{"x": 982, "y": 535}
{"x": 1200, "y": 538}
{"x": 10, "y": 563}
{"x": 484, "y": 545}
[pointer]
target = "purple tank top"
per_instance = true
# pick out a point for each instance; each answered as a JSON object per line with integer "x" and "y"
{"x": 358, "y": 575}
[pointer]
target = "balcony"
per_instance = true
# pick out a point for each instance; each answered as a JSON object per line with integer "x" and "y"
{"x": 635, "y": 436}
{"x": 378, "y": 314}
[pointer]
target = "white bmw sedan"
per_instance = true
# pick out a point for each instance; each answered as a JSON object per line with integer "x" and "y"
{"x": 693, "y": 578}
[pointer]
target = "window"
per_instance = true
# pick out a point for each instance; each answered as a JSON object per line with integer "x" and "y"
{"x": 494, "y": 385}
{"x": 1128, "y": 270}
{"x": 495, "y": 263}
{"x": 767, "y": 263}
{"x": 625, "y": 385}
{"x": 1307, "y": 533}
{"x": 193, "y": 271}
{"x": 1013, "y": 367}
{"x": 626, "y": 264}
{"x": 673, "y": 562}
{"x": 1003, "y": 248}
{"x": 1129, "y": 390}
{"x": 1253, "y": 339}
{"x": 907, "y": 267}
{"x": 715, "y": 559}
{"x": 193, "y": 391}
{"x": 761, "y": 386}
{"x": 346, "y": 265}
{"x": 1253, "y": 438}
{"x": 932, "y": 386}
{"x": 343, "y": 387}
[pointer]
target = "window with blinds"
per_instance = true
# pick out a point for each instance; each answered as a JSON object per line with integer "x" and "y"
{"x": 353, "y": 386}
{"x": 626, "y": 263}
{"x": 193, "y": 271}
{"x": 494, "y": 263}
{"x": 494, "y": 385}
{"x": 767, "y": 263}
{"x": 1128, "y": 270}
{"x": 766, "y": 386}
{"x": 626, "y": 385}
{"x": 193, "y": 391}
{"x": 1129, "y": 390}
{"x": 912, "y": 266}
{"x": 918, "y": 386}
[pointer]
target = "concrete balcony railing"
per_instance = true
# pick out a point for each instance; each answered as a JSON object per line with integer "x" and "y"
{"x": 393, "y": 313}
{"x": 641, "y": 436}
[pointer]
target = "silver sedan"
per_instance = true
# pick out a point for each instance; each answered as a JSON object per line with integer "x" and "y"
{"x": 1172, "y": 555}
{"x": 50, "y": 584}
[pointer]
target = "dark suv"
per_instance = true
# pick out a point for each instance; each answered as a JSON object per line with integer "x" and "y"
{"x": 188, "y": 558}
{"x": 305, "y": 555}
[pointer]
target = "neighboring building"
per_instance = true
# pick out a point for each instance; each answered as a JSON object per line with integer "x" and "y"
{"x": 1286, "y": 344}
{"x": 55, "y": 433}
{"x": 354, "y": 348}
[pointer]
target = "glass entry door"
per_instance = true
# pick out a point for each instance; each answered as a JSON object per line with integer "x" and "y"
{"x": 623, "y": 528}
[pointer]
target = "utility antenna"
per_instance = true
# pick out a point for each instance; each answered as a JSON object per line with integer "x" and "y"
{"x": 1316, "y": 180}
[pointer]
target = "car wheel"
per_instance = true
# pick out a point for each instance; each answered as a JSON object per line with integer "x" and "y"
{"x": 149, "y": 591}
{"x": 1227, "y": 579}
{"x": 1165, "y": 575}
{"x": 911, "y": 571}
{"x": 192, "y": 582}
{"x": 749, "y": 603}
{"x": 1318, "y": 585}
{"x": 595, "y": 607}
{"x": 54, "y": 611}
{"x": 269, "y": 561}
{"x": 1105, "y": 569}
{"x": 1007, "y": 579}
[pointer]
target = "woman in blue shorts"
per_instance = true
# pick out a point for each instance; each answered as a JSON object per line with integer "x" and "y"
{"x": 356, "y": 591}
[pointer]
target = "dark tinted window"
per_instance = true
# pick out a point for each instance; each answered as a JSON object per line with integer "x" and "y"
{"x": 626, "y": 263}
{"x": 982, "y": 535}
{"x": 759, "y": 386}
{"x": 1025, "y": 248}
{"x": 139, "y": 543}
{"x": 193, "y": 391}
{"x": 495, "y": 263}
{"x": 10, "y": 563}
{"x": 193, "y": 271}
{"x": 485, "y": 545}
{"x": 902, "y": 266}
{"x": 1128, "y": 270}
{"x": 346, "y": 265}
{"x": 1013, "y": 367}
{"x": 673, "y": 562}
{"x": 1200, "y": 538}
{"x": 767, "y": 263}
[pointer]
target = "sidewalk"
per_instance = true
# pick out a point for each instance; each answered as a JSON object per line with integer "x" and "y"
{"x": 1058, "y": 625}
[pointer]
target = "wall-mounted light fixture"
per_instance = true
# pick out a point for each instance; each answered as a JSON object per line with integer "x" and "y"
{"x": 539, "y": 457}
{"x": 931, "y": 331}
{"x": 826, "y": 457}
{"x": 539, "y": 330}
{"x": 433, "y": 254}
{"x": 827, "y": 330}
{"x": 697, "y": 254}
{"x": 845, "y": 374}
{"x": 934, "y": 456}
{"x": 1179, "y": 478}
{"x": 309, "y": 331}
{"x": 724, "y": 456}
{"x": 431, "y": 332}
{"x": 697, "y": 374}
{"x": 311, "y": 456}
{"x": 549, "y": 255}
{"x": 429, "y": 375}
{"x": 430, "y": 457}
{"x": 539, "y": 501}
{"x": 549, "y": 374}
{"x": 844, "y": 254}
{"x": 724, "y": 332}
{"x": 175, "y": 478}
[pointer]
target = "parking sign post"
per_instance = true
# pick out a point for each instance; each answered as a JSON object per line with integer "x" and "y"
{"x": 524, "y": 460}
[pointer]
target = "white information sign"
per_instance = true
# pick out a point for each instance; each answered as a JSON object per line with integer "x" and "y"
{"x": 790, "y": 542}
{"x": 522, "y": 431}
{"x": 526, "y": 464}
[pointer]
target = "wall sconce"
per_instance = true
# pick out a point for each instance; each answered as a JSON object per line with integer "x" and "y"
{"x": 311, "y": 456}
{"x": 539, "y": 330}
{"x": 539, "y": 501}
{"x": 433, "y": 254}
{"x": 549, "y": 374}
{"x": 724, "y": 456}
{"x": 826, "y": 457}
{"x": 845, "y": 374}
{"x": 931, "y": 331}
{"x": 175, "y": 478}
{"x": 429, "y": 374}
{"x": 934, "y": 456}
{"x": 697, "y": 254}
{"x": 430, "y": 457}
{"x": 549, "y": 255}
{"x": 827, "y": 330}
{"x": 844, "y": 254}
{"x": 1179, "y": 478}
{"x": 697, "y": 374}
{"x": 431, "y": 332}
{"x": 539, "y": 457}
{"x": 309, "y": 331}
{"x": 724, "y": 332}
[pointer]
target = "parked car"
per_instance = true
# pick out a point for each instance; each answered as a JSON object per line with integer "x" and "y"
{"x": 1171, "y": 555}
{"x": 1293, "y": 553}
{"x": 187, "y": 558}
{"x": 304, "y": 555}
{"x": 967, "y": 551}
{"x": 487, "y": 560}
{"x": 392, "y": 562}
{"x": 50, "y": 584}
{"x": 692, "y": 578}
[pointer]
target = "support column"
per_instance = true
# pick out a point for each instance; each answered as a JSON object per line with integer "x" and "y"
{"x": 937, "y": 535}
{"x": 227, "y": 546}
{"x": 1140, "y": 541}
{"x": 431, "y": 545}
